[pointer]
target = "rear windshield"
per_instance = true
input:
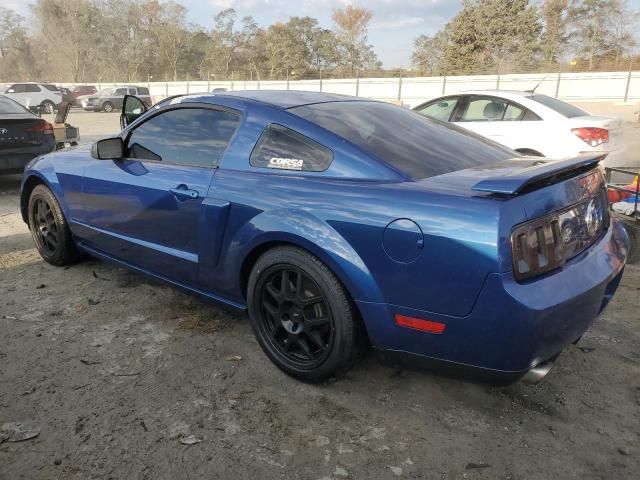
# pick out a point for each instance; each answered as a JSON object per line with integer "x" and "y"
{"x": 413, "y": 144}
{"x": 10, "y": 107}
{"x": 52, "y": 88}
{"x": 563, "y": 108}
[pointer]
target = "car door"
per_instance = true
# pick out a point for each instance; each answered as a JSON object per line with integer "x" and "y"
{"x": 118, "y": 96}
{"x": 501, "y": 120}
{"x": 149, "y": 209}
{"x": 34, "y": 94}
{"x": 440, "y": 109}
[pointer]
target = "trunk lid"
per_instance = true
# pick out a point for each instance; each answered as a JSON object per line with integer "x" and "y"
{"x": 14, "y": 132}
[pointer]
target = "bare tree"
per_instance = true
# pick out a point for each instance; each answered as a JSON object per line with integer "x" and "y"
{"x": 351, "y": 28}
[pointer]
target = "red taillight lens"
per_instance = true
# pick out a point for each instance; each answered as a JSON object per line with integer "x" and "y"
{"x": 42, "y": 127}
{"x": 591, "y": 135}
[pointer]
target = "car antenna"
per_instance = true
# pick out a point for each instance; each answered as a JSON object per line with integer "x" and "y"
{"x": 539, "y": 83}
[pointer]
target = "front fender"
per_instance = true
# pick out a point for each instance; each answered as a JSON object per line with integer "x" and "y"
{"x": 299, "y": 227}
{"x": 40, "y": 171}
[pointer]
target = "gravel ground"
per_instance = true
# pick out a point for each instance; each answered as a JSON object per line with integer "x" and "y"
{"x": 124, "y": 378}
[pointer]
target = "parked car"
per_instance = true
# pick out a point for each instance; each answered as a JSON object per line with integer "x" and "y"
{"x": 23, "y": 136}
{"x": 337, "y": 221}
{"x": 109, "y": 99}
{"x": 46, "y": 96}
{"x": 531, "y": 123}
{"x": 83, "y": 90}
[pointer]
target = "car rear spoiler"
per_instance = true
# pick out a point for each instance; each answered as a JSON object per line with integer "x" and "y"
{"x": 537, "y": 176}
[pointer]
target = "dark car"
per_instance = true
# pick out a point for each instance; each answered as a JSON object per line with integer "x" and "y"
{"x": 338, "y": 221}
{"x": 67, "y": 95}
{"x": 23, "y": 136}
{"x": 109, "y": 99}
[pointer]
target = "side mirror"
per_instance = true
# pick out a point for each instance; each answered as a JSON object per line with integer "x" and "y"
{"x": 108, "y": 149}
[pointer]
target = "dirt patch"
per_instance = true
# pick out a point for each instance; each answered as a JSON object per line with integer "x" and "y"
{"x": 125, "y": 378}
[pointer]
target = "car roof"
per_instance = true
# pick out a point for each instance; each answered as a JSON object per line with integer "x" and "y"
{"x": 497, "y": 93}
{"x": 288, "y": 98}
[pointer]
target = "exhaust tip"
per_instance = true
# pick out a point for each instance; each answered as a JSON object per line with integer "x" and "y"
{"x": 537, "y": 373}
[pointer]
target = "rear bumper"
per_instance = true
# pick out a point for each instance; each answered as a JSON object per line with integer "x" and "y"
{"x": 16, "y": 161}
{"x": 512, "y": 327}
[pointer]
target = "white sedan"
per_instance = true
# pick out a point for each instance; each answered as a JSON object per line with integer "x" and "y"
{"x": 531, "y": 123}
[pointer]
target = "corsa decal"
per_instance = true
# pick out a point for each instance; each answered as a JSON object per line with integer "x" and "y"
{"x": 286, "y": 163}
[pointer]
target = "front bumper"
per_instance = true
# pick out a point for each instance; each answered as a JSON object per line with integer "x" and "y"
{"x": 513, "y": 326}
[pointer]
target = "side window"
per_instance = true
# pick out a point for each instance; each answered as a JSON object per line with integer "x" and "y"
{"x": 120, "y": 92}
{"x": 186, "y": 136}
{"x": 51, "y": 88}
{"x": 530, "y": 116}
{"x": 440, "y": 110}
{"x": 30, "y": 87}
{"x": 143, "y": 91}
{"x": 132, "y": 91}
{"x": 18, "y": 88}
{"x": 513, "y": 113}
{"x": 483, "y": 109}
{"x": 282, "y": 148}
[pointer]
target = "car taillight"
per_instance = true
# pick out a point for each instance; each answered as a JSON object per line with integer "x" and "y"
{"x": 547, "y": 243}
{"x": 42, "y": 127}
{"x": 591, "y": 135}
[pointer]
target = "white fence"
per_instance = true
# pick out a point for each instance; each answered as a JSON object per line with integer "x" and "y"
{"x": 578, "y": 87}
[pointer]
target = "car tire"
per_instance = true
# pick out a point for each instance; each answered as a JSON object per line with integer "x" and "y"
{"x": 107, "y": 107}
{"x": 301, "y": 315}
{"x": 49, "y": 228}
{"x": 48, "y": 106}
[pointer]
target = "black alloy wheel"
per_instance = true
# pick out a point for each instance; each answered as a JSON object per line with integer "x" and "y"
{"x": 46, "y": 229}
{"x": 295, "y": 315}
{"x": 302, "y": 316}
{"x": 49, "y": 228}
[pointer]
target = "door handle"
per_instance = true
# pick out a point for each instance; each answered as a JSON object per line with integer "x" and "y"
{"x": 184, "y": 191}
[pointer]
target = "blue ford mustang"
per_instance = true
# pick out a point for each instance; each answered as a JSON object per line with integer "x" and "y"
{"x": 337, "y": 222}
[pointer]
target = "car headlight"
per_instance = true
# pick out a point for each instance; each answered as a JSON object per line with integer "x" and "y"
{"x": 546, "y": 243}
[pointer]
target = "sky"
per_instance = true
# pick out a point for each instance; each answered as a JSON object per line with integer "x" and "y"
{"x": 395, "y": 25}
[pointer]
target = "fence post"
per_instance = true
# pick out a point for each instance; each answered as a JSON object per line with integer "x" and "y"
{"x": 444, "y": 84}
{"x": 357, "y": 82}
{"x": 232, "y": 85}
{"x": 400, "y": 89}
{"x": 187, "y": 83}
{"x": 626, "y": 89}
{"x": 558, "y": 81}
{"x": 208, "y": 81}
{"x": 320, "y": 80}
{"x": 498, "y": 82}
{"x": 287, "y": 78}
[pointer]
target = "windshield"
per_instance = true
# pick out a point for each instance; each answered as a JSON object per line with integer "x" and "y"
{"x": 8, "y": 106}
{"x": 413, "y": 144}
{"x": 563, "y": 108}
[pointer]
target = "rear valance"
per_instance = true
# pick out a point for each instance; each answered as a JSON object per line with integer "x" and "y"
{"x": 547, "y": 172}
